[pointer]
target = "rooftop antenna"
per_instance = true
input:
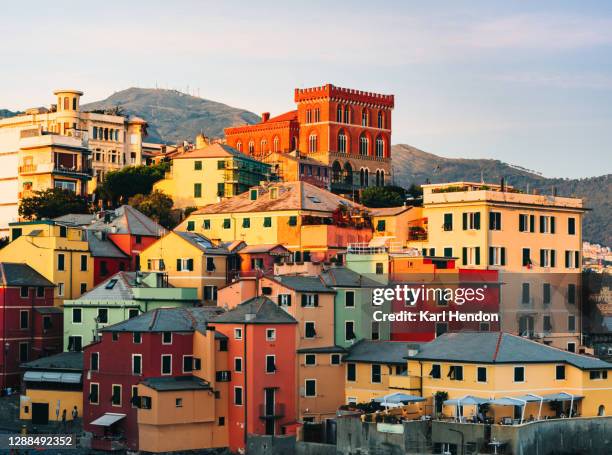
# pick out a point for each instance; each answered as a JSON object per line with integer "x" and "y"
{"x": 481, "y": 176}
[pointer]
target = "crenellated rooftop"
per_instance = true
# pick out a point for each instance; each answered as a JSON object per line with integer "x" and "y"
{"x": 341, "y": 93}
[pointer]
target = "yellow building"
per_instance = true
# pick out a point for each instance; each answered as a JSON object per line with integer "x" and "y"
{"x": 310, "y": 221}
{"x": 392, "y": 224}
{"x": 52, "y": 385}
{"x": 57, "y": 251}
{"x": 514, "y": 370}
{"x": 209, "y": 173}
{"x": 191, "y": 260}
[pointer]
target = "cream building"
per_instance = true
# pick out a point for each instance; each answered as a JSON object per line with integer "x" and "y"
{"x": 62, "y": 146}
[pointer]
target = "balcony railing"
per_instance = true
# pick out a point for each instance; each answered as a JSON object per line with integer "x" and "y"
{"x": 277, "y": 413}
{"x": 51, "y": 167}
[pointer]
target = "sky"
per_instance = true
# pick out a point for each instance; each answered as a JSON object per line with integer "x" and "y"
{"x": 529, "y": 83}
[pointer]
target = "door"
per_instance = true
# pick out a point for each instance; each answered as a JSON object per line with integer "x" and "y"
{"x": 270, "y": 418}
{"x": 40, "y": 413}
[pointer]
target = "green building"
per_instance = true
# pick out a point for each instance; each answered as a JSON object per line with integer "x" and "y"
{"x": 121, "y": 297}
{"x": 353, "y": 308}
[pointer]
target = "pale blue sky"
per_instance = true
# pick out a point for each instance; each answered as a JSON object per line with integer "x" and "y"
{"x": 526, "y": 82}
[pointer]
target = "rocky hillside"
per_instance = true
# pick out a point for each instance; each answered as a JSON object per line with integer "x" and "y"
{"x": 174, "y": 116}
{"x": 412, "y": 165}
{"x": 4, "y": 113}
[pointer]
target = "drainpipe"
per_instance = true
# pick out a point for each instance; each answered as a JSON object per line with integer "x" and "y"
{"x": 244, "y": 397}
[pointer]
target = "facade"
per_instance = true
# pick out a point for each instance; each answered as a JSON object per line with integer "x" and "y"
{"x": 122, "y": 296}
{"x": 294, "y": 166}
{"x": 313, "y": 223}
{"x": 62, "y": 146}
{"x": 51, "y": 386}
{"x": 191, "y": 260}
{"x": 206, "y": 175}
{"x": 392, "y": 225}
{"x": 30, "y": 326}
{"x": 348, "y": 130}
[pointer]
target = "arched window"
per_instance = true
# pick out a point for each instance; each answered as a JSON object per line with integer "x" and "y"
{"x": 106, "y": 134}
{"x": 381, "y": 119}
{"x": 361, "y": 177}
{"x": 339, "y": 113}
{"x": 380, "y": 147}
{"x": 348, "y": 173}
{"x": 336, "y": 171}
{"x": 317, "y": 114}
{"x": 364, "y": 144}
{"x": 377, "y": 177}
{"x": 312, "y": 143}
{"x": 601, "y": 410}
{"x": 251, "y": 146}
{"x": 276, "y": 144}
{"x": 365, "y": 118}
{"x": 74, "y": 102}
{"x": 308, "y": 116}
{"x": 347, "y": 115}
{"x": 341, "y": 142}
{"x": 239, "y": 146}
{"x": 294, "y": 143}
{"x": 382, "y": 178}
{"x": 66, "y": 103}
{"x": 367, "y": 177}
{"x": 264, "y": 145}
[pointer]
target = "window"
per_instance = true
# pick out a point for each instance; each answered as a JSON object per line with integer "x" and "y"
{"x": 436, "y": 371}
{"x": 310, "y": 359}
{"x": 76, "y": 315}
{"x": 376, "y": 374}
{"x": 238, "y": 396}
{"x": 61, "y": 262}
{"x": 448, "y": 222}
{"x": 102, "y": 317}
{"x": 310, "y": 300}
{"x": 227, "y": 223}
{"x": 116, "y": 395}
{"x": 519, "y": 374}
{"x": 525, "y": 293}
{"x": 571, "y": 346}
{"x": 571, "y": 323}
{"x": 60, "y": 289}
{"x": 317, "y": 114}
{"x": 311, "y": 388}
{"x": 94, "y": 361}
{"x": 379, "y": 268}
{"x": 132, "y": 313}
{"x": 381, "y": 119}
{"x": 484, "y": 327}
{"x": 251, "y": 147}
{"x": 197, "y": 165}
{"x": 83, "y": 262}
{"x": 238, "y": 364}
{"x": 572, "y": 259}
{"x": 548, "y": 258}
{"x": 221, "y": 189}
{"x": 276, "y": 144}
{"x": 448, "y": 252}
{"x": 598, "y": 374}
{"x": 312, "y": 143}
{"x": 308, "y": 116}
{"x": 309, "y": 330}
{"x": 206, "y": 224}
{"x": 526, "y": 257}
{"x": 24, "y": 351}
{"x": 481, "y": 374}
{"x": 267, "y": 222}
{"x": 40, "y": 292}
{"x": 167, "y": 338}
{"x": 103, "y": 268}
{"x": 381, "y": 226}
{"x": 191, "y": 225}
{"x": 187, "y": 363}
{"x": 238, "y": 334}
{"x": 497, "y": 255}
{"x": 571, "y": 226}
{"x": 210, "y": 292}
{"x": 571, "y": 293}
{"x": 526, "y": 223}
{"x": 455, "y": 373}
{"x": 471, "y": 255}
{"x": 349, "y": 299}
{"x": 63, "y": 232}
{"x": 349, "y": 330}
{"x": 441, "y": 328}
{"x": 47, "y": 323}
{"x": 495, "y": 221}
{"x": 137, "y": 337}
{"x": 547, "y": 224}
{"x": 136, "y": 364}
{"x": 471, "y": 221}
{"x": 83, "y": 288}
{"x": 24, "y": 319}
{"x": 270, "y": 334}
{"x": 380, "y": 147}
{"x": 134, "y": 399}
{"x": 351, "y": 372}
{"x": 270, "y": 364}
{"x": 364, "y": 145}
{"x": 166, "y": 360}
{"x": 197, "y": 190}
{"x": 293, "y": 220}
{"x": 221, "y": 421}
{"x": 239, "y": 146}
{"x": 546, "y": 324}
{"x": 94, "y": 393}
{"x": 560, "y": 372}
{"x": 365, "y": 117}
{"x": 342, "y": 142}
{"x": 184, "y": 265}
{"x": 546, "y": 293}
{"x": 178, "y": 402}
{"x": 24, "y": 291}
{"x": 335, "y": 359}
{"x": 375, "y": 330}
{"x": 246, "y": 223}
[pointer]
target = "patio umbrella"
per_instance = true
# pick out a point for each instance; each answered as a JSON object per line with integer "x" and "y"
{"x": 468, "y": 400}
{"x": 398, "y": 398}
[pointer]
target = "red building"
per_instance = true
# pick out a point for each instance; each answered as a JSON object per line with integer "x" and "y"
{"x": 261, "y": 348}
{"x": 347, "y": 129}
{"x": 108, "y": 259}
{"x": 261, "y": 258}
{"x": 30, "y": 326}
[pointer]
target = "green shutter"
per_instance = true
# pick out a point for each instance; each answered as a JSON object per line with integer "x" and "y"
{"x": 246, "y": 222}
{"x": 464, "y": 258}
{"x": 552, "y": 224}
{"x": 531, "y": 223}
{"x": 491, "y": 250}
{"x": 267, "y": 221}
{"x": 190, "y": 265}
{"x": 178, "y": 265}
{"x": 477, "y": 251}
{"x": 503, "y": 255}
{"x": 477, "y": 220}
{"x": 465, "y": 221}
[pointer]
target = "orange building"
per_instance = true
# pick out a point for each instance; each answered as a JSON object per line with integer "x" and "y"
{"x": 347, "y": 129}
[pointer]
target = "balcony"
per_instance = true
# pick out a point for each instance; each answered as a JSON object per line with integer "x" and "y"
{"x": 404, "y": 382}
{"x": 417, "y": 233}
{"x": 51, "y": 168}
{"x": 277, "y": 413}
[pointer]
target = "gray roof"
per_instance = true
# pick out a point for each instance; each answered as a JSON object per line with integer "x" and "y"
{"x": 167, "y": 320}
{"x": 343, "y": 277}
{"x": 49, "y": 310}
{"x": 61, "y": 361}
{"x": 499, "y": 347}
{"x": 76, "y": 219}
{"x": 169, "y": 383}
{"x": 322, "y": 350}
{"x": 202, "y": 243}
{"x": 258, "y": 310}
{"x": 387, "y": 352}
{"x": 18, "y": 274}
{"x": 303, "y": 283}
{"x": 102, "y": 247}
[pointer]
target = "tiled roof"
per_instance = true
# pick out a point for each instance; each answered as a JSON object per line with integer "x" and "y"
{"x": 302, "y": 283}
{"x": 61, "y": 361}
{"x": 202, "y": 243}
{"x": 215, "y": 150}
{"x": 263, "y": 248}
{"x": 388, "y": 352}
{"x": 389, "y": 211}
{"x": 298, "y": 195}
{"x": 128, "y": 220}
{"x": 169, "y": 383}
{"x": 258, "y": 310}
{"x": 167, "y": 320}
{"x": 102, "y": 247}
{"x": 499, "y": 347}
{"x": 49, "y": 310}
{"x": 287, "y": 116}
{"x": 76, "y": 219}
{"x": 18, "y": 274}
{"x": 323, "y": 350}
{"x": 346, "y": 278}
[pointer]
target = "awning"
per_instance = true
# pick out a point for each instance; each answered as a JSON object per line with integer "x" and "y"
{"x": 563, "y": 396}
{"x": 397, "y": 398}
{"x": 108, "y": 419}
{"x": 468, "y": 400}
{"x": 52, "y": 377}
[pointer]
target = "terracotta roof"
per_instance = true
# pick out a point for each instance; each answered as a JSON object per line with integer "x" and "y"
{"x": 291, "y": 115}
{"x": 296, "y": 195}
{"x": 214, "y": 151}
{"x": 389, "y": 211}
{"x": 263, "y": 248}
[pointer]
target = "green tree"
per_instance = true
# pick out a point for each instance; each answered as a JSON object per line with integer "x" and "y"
{"x": 385, "y": 196}
{"x": 52, "y": 203}
{"x": 119, "y": 186}
{"x": 157, "y": 206}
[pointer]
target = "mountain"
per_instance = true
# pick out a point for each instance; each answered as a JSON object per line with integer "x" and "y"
{"x": 411, "y": 165}
{"x": 4, "y": 113}
{"x": 174, "y": 116}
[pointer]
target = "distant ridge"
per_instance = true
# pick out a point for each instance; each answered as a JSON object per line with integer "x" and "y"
{"x": 174, "y": 116}
{"x": 4, "y": 113}
{"x": 414, "y": 166}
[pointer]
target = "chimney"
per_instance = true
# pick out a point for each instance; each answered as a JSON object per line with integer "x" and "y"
{"x": 201, "y": 141}
{"x": 265, "y": 117}
{"x": 503, "y": 185}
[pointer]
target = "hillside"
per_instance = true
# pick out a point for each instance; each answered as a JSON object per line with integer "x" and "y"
{"x": 174, "y": 116}
{"x": 412, "y": 165}
{"x": 4, "y": 113}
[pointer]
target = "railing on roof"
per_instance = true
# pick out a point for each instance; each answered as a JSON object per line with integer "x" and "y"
{"x": 389, "y": 247}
